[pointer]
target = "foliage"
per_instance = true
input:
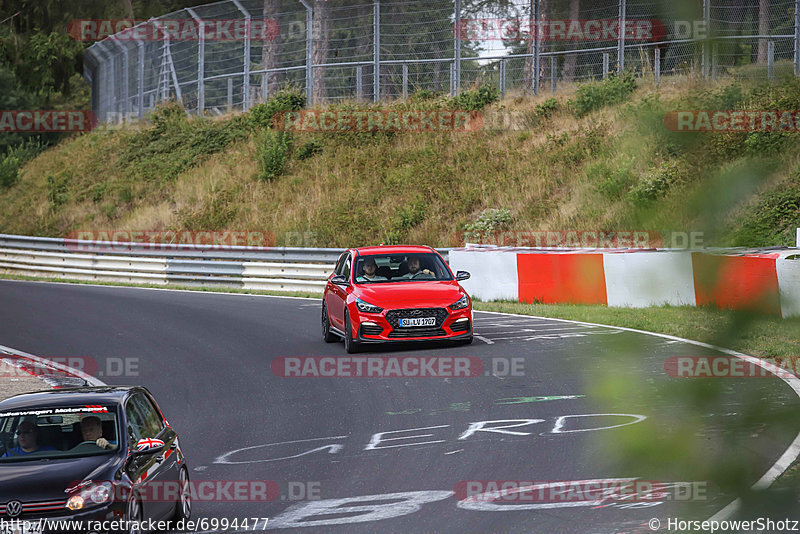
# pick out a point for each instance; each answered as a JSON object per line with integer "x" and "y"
{"x": 476, "y": 99}
{"x": 15, "y": 157}
{"x": 309, "y": 149}
{"x": 491, "y": 220}
{"x": 286, "y": 100}
{"x": 655, "y": 183}
{"x": 599, "y": 94}
{"x": 273, "y": 152}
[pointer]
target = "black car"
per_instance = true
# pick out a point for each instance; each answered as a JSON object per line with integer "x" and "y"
{"x": 91, "y": 454}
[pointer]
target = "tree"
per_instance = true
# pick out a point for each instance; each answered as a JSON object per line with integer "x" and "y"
{"x": 271, "y": 49}
{"x": 763, "y": 29}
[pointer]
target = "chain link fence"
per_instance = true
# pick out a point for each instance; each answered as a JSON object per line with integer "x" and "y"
{"x": 372, "y": 51}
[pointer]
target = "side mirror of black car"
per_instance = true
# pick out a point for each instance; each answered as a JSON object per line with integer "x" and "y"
{"x": 462, "y": 275}
{"x": 339, "y": 280}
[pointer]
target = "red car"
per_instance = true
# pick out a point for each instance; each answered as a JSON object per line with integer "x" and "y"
{"x": 395, "y": 293}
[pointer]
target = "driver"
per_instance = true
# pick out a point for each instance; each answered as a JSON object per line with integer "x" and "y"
{"x": 414, "y": 268}
{"x": 28, "y": 438}
{"x": 92, "y": 430}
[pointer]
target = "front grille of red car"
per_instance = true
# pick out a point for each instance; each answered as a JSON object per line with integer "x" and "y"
{"x": 393, "y": 316}
{"x": 418, "y": 332}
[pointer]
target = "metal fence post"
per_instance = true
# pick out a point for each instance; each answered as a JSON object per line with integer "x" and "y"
{"x": 265, "y": 86}
{"x": 714, "y": 61}
{"x": 553, "y": 73}
{"x": 376, "y": 51}
{"x": 125, "y": 80}
{"x": 657, "y": 65}
{"x": 503, "y": 78}
{"x": 621, "y": 38}
{"x": 309, "y": 44}
{"x": 771, "y": 60}
{"x": 706, "y": 60}
{"x": 140, "y": 79}
{"x": 201, "y": 61}
{"x": 452, "y": 79}
{"x": 246, "y": 61}
{"x": 606, "y": 60}
{"x": 537, "y": 46}
{"x": 230, "y": 94}
{"x": 797, "y": 37}
{"x": 457, "y": 48}
{"x": 359, "y": 82}
{"x": 405, "y": 80}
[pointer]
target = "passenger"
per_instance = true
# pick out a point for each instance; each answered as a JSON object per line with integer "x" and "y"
{"x": 369, "y": 272}
{"x": 414, "y": 269}
{"x": 92, "y": 430}
{"x": 28, "y": 438}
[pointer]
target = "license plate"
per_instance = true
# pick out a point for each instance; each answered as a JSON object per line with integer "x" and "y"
{"x": 20, "y": 527}
{"x": 418, "y": 321}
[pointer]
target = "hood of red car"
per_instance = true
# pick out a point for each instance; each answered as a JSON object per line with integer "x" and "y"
{"x": 423, "y": 294}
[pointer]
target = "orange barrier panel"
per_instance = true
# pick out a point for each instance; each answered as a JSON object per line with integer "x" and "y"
{"x": 737, "y": 282}
{"x": 552, "y": 278}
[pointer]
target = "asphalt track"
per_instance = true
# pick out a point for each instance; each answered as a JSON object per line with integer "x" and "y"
{"x": 207, "y": 356}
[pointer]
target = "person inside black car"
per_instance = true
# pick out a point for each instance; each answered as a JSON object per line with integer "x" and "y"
{"x": 92, "y": 430}
{"x": 28, "y": 439}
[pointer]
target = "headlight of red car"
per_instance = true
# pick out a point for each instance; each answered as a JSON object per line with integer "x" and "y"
{"x": 460, "y": 304}
{"x": 366, "y": 307}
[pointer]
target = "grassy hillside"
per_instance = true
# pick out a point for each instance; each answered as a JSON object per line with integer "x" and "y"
{"x": 596, "y": 159}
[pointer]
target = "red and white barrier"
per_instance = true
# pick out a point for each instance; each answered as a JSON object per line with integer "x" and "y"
{"x": 767, "y": 282}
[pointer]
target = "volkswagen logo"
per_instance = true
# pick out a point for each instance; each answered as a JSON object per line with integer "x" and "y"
{"x": 13, "y": 508}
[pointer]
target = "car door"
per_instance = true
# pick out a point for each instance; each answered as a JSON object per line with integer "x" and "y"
{"x": 157, "y": 473}
{"x": 338, "y": 295}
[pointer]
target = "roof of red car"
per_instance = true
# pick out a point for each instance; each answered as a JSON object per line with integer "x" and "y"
{"x": 393, "y": 249}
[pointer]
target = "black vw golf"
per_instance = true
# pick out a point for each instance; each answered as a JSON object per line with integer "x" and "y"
{"x": 91, "y": 454}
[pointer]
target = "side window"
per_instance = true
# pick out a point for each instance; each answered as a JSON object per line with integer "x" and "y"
{"x": 340, "y": 264}
{"x": 135, "y": 428}
{"x": 346, "y": 269}
{"x": 153, "y": 424}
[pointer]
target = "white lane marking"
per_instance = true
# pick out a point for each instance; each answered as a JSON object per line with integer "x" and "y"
{"x": 44, "y": 361}
{"x": 485, "y": 340}
{"x": 332, "y": 449}
{"x": 786, "y": 459}
{"x": 557, "y": 429}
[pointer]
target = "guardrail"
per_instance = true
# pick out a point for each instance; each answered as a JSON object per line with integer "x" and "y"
{"x": 261, "y": 268}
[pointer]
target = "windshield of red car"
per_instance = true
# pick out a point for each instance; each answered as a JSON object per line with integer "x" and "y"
{"x": 387, "y": 268}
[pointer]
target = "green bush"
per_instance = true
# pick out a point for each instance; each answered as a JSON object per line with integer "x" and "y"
{"x": 655, "y": 183}
{"x": 596, "y": 95}
{"x": 488, "y": 222}
{"x": 286, "y": 100}
{"x": 15, "y": 157}
{"x": 9, "y": 166}
{"x": 273, "y": 153}
{"x": 425, "y": 94}
{"x": 309, "y": 149}
{"x": 476, "y": 99}
{"x": 611, "y": 182}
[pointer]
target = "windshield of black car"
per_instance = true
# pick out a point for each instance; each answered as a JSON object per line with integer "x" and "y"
{"x": 58, "y": 432}
{"x": 384, "y": 268}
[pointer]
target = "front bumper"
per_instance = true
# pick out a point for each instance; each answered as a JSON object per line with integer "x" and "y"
{"x": 450, "y": 326}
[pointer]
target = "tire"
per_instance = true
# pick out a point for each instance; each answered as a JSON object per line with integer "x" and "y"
{"x": 183, "y": 508}
{"x": 134, "y": 516}
{"x": 350, "y": 345}
{"x": 327, "y": 335}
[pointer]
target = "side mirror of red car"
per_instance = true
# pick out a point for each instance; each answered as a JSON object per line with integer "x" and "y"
{"x": 462, "y": 275}
{"x": 339, "y": 280}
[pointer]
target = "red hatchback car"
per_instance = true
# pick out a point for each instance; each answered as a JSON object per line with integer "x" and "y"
{"x": 395, "y": 293}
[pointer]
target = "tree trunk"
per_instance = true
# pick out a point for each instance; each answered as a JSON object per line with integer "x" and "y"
{"x": 271, "y": 49}
{"x": 763, "y": 29}
{"x": 321, "y": 36}
{"x": 527, "y": 74}
{"x": 572, "y": 59}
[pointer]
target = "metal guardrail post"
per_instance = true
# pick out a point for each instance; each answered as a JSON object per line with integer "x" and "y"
{"x": 246, "y": 61}
{"x": 201, "y": 61}
{"x": 457, "y": 48}
{"x": 376, "y": 51}
{"x": 621, "y": 39}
